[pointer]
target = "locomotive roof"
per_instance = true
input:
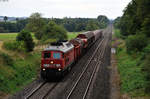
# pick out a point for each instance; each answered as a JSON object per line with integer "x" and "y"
{"x": 97, "y": 31}
{"x": 88, "y": 34}
{"x": 63, "y": 47}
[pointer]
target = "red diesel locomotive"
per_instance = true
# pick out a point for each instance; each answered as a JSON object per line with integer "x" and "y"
{"x": 59, "y": 56}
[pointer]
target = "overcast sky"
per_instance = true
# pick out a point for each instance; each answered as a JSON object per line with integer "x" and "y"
{"x": 63, "y": 8}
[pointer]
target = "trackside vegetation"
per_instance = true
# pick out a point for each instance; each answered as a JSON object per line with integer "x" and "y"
{"x": 17, "y": 72}
{"x": 134, "y": 53}
{"x": 133, "y": 68}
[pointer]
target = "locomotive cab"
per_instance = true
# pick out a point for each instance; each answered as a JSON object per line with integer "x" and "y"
{"x": 56, "y": 59}
{"x": 52, "y": 59}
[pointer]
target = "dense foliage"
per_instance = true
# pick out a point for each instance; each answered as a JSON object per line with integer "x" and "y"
{"x": 135, "y": 28}
{"x": 70, "y": 24}
{"x": 17, "y": 72}
{"x": 27, "y": 38}
{"x": 17, "y": 26}
{"x": 14, "y": 46}
{"x": 136, "y": 43}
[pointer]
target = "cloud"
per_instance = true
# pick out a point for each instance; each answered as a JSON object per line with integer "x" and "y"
{"x": 62, "y": 8}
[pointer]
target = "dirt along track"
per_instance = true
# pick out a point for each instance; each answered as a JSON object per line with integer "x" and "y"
{"x": 88, "y": 79}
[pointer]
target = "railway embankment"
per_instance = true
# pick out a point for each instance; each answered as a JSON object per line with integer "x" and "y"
{"x": 131, "y": 80}
{"x": 17, "y": 70}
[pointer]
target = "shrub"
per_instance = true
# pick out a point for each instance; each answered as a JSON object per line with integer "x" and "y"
{"x": 147, "y": 49}
{"x": 14, "y": 45}
{"x": 27, "y": 38}
{"x": 136, "y": 42}
{"x": 146, "y": 70}
{"x": 54, "y": 31}
{"x": 6, "y": 59}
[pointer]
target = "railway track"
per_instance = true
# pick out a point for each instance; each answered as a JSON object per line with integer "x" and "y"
{"x": 86, "y": 77}
{"x": 45, "y": 88}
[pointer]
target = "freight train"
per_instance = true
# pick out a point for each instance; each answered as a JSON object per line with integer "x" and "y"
{"x": 59, "y": 56}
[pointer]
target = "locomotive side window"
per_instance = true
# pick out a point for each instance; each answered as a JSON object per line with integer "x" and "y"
{"x": 56, "y": 55}
{"x": 47, "y": 55}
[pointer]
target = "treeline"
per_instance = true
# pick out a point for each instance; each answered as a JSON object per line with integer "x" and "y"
{"x": 70, "y": 24}
{"x": 135, "y": 29}
{"x": 81, "y": 24}
{"x": 17, "y": 26}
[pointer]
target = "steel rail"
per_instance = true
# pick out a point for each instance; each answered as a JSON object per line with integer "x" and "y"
{"x": 72, "y": 89}
{"x": 35, "y": 90}
{"x": 94, "y": 72}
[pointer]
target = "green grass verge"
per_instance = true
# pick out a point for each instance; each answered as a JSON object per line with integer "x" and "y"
{"x": 72, "y": 35}
{"x": 133, "y": 81}
{"x": 19, "y": 73}
{"x": 117, "y": 33}
{"x": 10, "y": 36}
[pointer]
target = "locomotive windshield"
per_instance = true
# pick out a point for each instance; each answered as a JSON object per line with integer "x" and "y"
{"x": 47, "y": 55}
{"x": 56, "y": 55}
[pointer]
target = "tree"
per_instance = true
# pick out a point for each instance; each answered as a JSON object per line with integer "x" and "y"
{"x": 2, "y": 30}
{"x": 36, "y": 24}
{"x": 5, "y": 18}
{"x": 54, "y": 31}
{"x": 145, "y": 27}
{"x": 136, "y": 42}
{"x": 27, "y": 38}
{"x": 103, "y": 21}
{"x": 91, "y": 26}
{"x": 17, "y": 19}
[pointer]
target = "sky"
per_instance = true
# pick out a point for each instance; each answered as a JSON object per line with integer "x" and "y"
{"x": 63, "y": 8}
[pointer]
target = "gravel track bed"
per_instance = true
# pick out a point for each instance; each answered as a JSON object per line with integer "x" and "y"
{"x": 43, "y": 91}
{"x": 29, "y": 88}
{"x": 81, "y": 88}
{"x": 101, "y": 85}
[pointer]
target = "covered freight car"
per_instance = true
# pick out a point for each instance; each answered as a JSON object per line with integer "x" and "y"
{"x": 98, "y": 34}
{"x": 87, "y": 37}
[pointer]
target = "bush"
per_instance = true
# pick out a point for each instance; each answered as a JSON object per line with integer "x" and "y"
{"x": 27, "y": 38}
{"x": 6, "y": 59}
{"x": 54, "y": 31}
{"x": 136, "y": 42}
{"x": 146, "y": 70}
{"x": 14, "y": 45}
{"x": 132, "y": 77}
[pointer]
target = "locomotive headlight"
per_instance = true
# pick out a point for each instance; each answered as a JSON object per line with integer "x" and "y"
{"x": 59, "y": 69}
{"x": 43, "y": 69}
{"x": 57, "y": 65}
{"x": 52, "y": 62}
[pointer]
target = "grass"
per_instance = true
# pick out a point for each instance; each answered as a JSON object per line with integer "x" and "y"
{"x": 10, "y": 36}
{"x": 117, "y": 33}
{"x": 133, "y": 81}
{"x": 72, "y": 35}
{"x": 7, "y": 36}
{"x": 19, "y": 73}
{"x": 132, "y": 78}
